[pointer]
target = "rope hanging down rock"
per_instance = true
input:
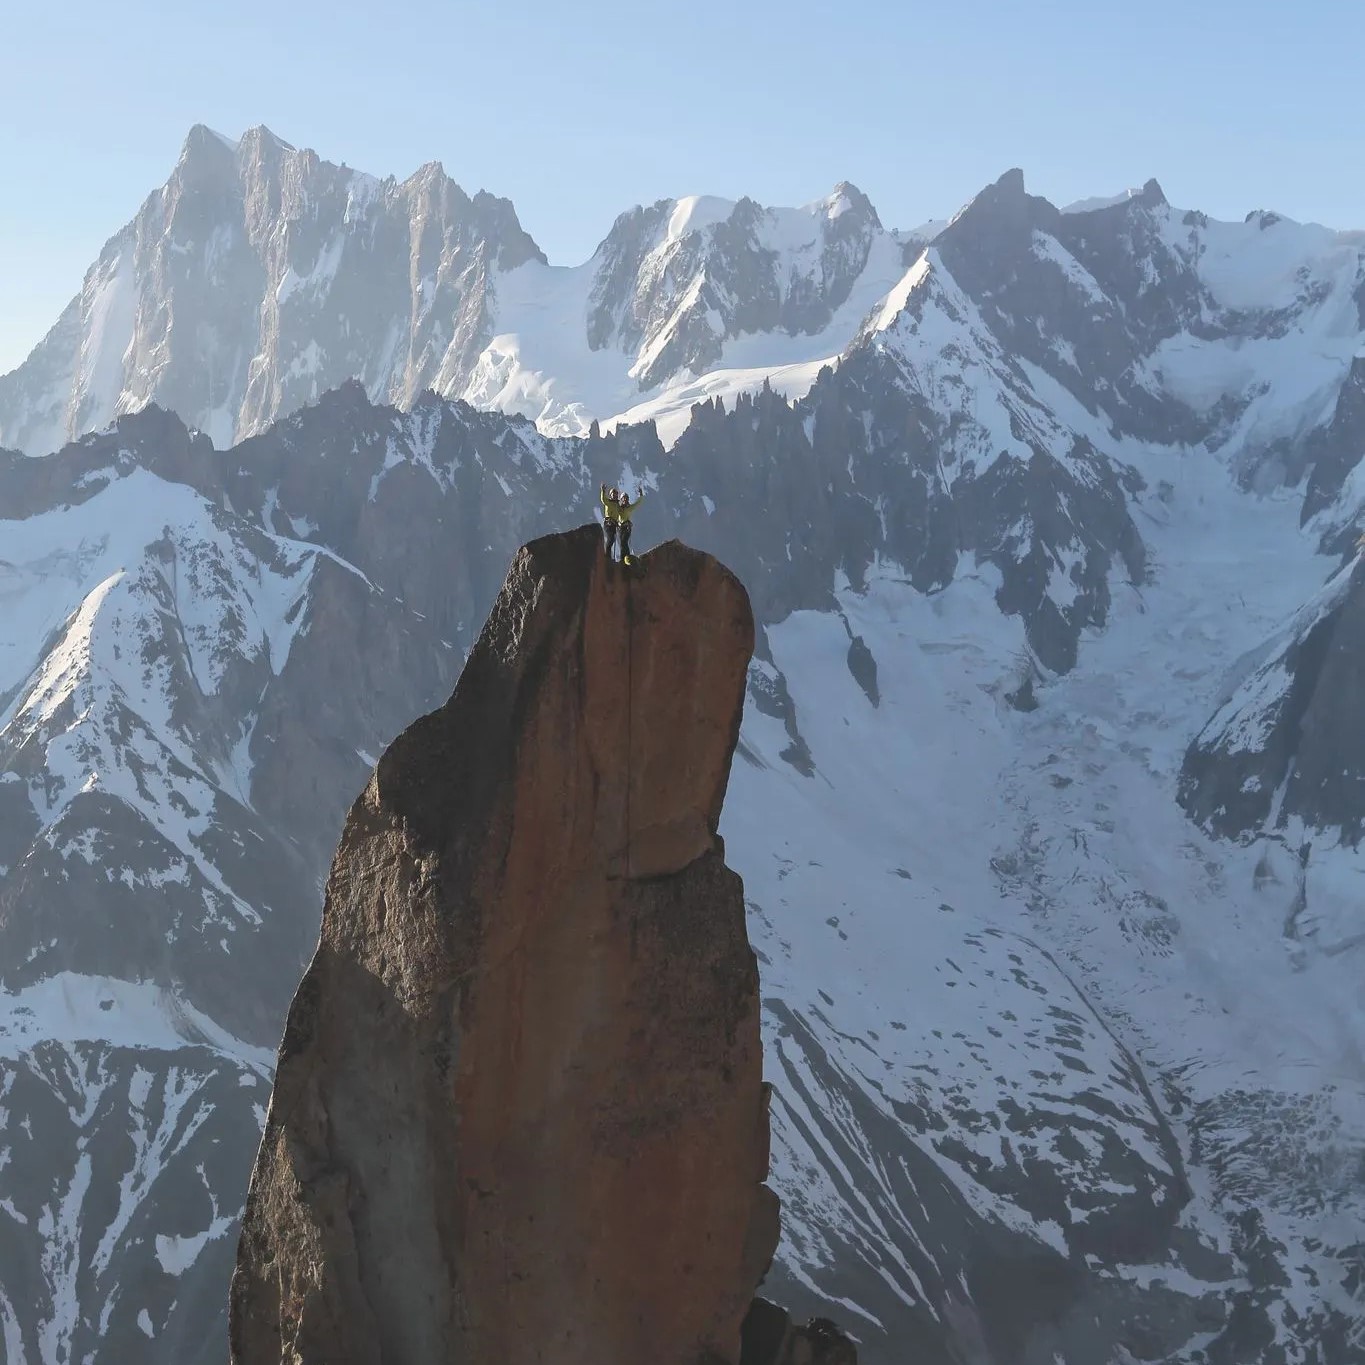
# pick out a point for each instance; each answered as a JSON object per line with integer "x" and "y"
{"x": 630, "y": 715}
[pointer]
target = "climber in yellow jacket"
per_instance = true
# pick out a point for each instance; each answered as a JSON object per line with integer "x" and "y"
{"x": 610, "y": 511}
{"x": 624, "y": 509}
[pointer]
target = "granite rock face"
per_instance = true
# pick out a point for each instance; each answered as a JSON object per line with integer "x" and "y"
{"x": 519, "y": 1112}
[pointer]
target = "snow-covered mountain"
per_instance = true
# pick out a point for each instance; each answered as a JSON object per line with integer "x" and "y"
{"x": 1053, "y": 876}
{"x": 259, "y": 276}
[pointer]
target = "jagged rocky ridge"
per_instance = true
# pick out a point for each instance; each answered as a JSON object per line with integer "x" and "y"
{"x": 260, "y": 276}
{"x": 919, "y": 793}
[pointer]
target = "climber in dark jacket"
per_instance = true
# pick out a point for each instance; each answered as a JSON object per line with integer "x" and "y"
{"x": 609, "y": 518}
{"x": 624, "y": 510}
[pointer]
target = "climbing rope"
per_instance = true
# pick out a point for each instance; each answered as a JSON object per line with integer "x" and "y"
{"x": 630, "y": 714}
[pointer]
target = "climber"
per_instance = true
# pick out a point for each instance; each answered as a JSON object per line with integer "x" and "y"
{"x": 609, "y": 516}
{"x": 623, "y": 514}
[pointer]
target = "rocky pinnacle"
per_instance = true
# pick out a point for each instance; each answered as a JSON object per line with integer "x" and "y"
{"x": 519, "y": 1113}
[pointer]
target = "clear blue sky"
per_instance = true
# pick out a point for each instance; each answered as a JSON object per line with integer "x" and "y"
{"x": 576, "y": 112}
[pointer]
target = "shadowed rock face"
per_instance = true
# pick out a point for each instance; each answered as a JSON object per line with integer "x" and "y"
{"x": 519, "y": 1112}
{"x": 1286, "y": 744}
{"x": 771, "y": 1338}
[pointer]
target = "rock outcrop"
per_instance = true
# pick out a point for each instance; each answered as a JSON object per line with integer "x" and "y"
{"x": 770, "y": 1337}
{"x": 519, "y": 1113}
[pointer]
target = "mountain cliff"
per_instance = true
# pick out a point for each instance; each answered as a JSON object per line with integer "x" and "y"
{"x": 519, "y": 1109}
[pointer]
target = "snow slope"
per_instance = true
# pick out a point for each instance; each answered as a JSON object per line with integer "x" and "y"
{"x": 933, "y": 789}
{"x": 108, "y": 711}
{"x": 965, "y": 896}
{"x": 539, "y": 366}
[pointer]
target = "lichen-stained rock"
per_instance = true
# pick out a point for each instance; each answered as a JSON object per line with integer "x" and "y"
{"x": 519, "y": 1113}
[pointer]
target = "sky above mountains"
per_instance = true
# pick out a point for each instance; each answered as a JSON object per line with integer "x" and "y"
{"x": 577, "y": 112}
